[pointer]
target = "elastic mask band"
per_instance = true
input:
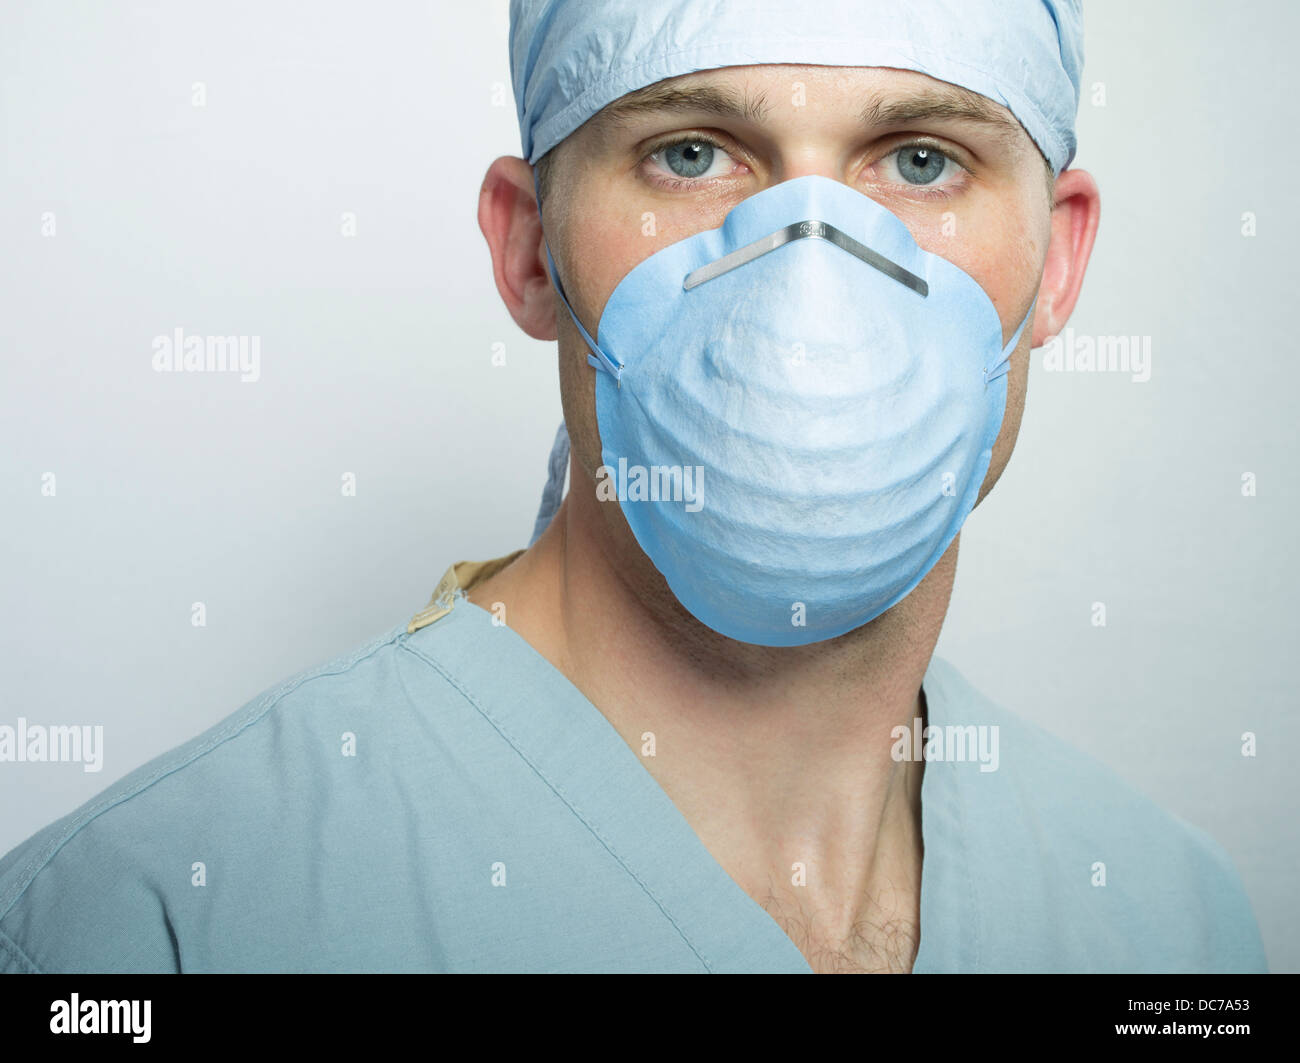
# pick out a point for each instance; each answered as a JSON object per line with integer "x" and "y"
{"x": 1005, "y": 363}
{"x": 597, "y": 358}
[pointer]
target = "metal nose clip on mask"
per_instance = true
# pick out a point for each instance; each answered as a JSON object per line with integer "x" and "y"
{"x": 828, "y": 392}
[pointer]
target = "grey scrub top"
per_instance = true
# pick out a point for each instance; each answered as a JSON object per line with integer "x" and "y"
{"x": 443, "y": 799}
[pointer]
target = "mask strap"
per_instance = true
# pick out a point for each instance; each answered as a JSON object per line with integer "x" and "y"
{"x": 1004, "y": 363}
{"x": 556, "y": 466}
{"x": 598, "y": 358}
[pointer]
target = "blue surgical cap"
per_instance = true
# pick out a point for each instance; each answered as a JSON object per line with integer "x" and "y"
{"x": 569, "y": 58}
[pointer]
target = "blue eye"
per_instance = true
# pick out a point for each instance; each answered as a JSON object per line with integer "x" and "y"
{"x": 690, "y": 158}
{"x": 920, "y": 165}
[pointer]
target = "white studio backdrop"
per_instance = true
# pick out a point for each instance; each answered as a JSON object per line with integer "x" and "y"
{"x": 307, "y": 175}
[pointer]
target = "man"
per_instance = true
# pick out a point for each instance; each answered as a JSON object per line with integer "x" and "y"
{"x": 795, "y": 259}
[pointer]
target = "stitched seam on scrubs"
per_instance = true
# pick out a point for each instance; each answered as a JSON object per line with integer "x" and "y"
{"x": 558, "y": 792}
{"x": 1056, "y": 143}
{"x": 243, "y": 720}
{"x": 972, "y": 909}
{"x": 9, "y": 945}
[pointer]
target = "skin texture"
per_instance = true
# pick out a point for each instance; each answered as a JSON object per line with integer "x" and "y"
{"x": 776, "y": 756}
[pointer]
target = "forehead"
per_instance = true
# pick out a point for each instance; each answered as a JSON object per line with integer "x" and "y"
{"x": 871, "y": 97}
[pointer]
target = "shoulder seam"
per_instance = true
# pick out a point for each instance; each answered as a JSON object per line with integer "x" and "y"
{"x": 253, "y": 712}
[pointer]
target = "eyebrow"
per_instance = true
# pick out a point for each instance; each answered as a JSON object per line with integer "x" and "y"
{"x": 947, "y": 102}
{"x": 660, "y": 98}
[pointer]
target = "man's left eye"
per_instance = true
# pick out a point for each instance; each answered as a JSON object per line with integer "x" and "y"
{"x": 693, "y": 158}
{"x": 920, "y": 165}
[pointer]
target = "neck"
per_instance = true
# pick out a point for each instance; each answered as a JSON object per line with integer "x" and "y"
{"x": 775, "y": 755}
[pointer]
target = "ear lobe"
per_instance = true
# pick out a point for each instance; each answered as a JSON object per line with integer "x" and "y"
{"x": 1044, "y": 313}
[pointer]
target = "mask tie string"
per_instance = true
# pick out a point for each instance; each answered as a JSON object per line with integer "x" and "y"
{"x": 1004, "y": 362}
{"x": 597, "y": 358}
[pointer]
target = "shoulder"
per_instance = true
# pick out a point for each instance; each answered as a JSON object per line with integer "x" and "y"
{"x": 1065, "y": 837}
{"x": 92, "y": 891}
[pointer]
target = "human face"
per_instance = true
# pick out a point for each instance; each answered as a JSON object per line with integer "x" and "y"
{"x": 671, "y": 160}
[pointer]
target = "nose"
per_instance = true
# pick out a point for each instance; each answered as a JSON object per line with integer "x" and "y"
{"x": 806, "y": 160}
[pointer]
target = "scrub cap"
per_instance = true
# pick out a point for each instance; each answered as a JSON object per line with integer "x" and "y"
{"x": 570, "y": 58}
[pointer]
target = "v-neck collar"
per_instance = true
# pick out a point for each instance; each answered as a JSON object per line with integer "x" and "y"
{"x": 575, "y": 749}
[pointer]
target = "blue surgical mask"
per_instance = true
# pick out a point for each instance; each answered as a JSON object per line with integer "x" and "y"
{"x": 796, "y": 411}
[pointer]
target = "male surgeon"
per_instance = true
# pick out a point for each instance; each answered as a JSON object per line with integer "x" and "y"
{"x": 794, "y": 257}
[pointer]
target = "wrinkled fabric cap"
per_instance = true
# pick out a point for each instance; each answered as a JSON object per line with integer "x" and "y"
{"x": 569, "y": 58}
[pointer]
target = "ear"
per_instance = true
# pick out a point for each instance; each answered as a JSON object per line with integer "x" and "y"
{"x": 1075, "y": 216}
{"x": 512, "y": 226}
